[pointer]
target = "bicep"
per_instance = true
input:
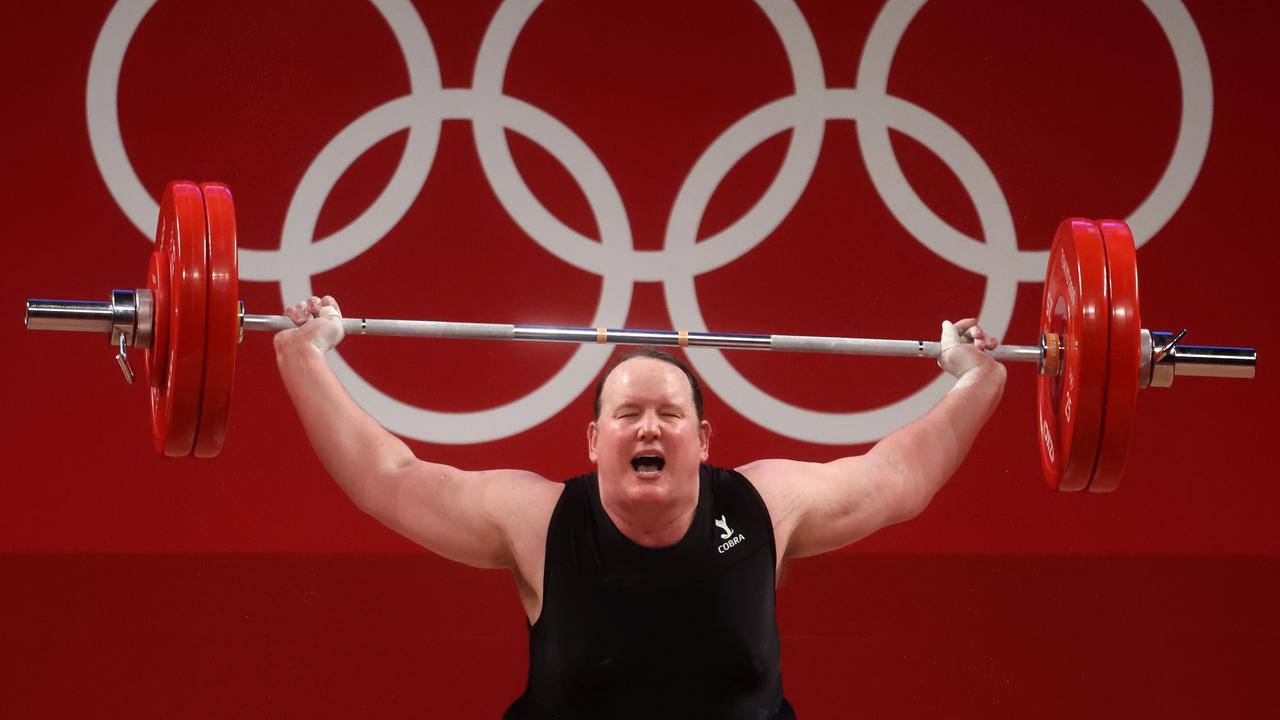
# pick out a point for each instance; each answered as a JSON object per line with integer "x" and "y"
{"x": 468, "y": 517}
{"x": 819, "y": 507}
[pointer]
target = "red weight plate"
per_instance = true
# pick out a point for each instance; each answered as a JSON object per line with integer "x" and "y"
{"x": 223, "y": 320}
{"x": 1075, "y": 307}
{"x": 1124, "y": 357}
{"x": 180, "y": 240}
{"x": 157, "y": 356}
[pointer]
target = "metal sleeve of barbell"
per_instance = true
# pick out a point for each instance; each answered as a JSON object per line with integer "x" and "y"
{"x": 627, "y": 336}
{"x": 69, "y": 315}
{"x": 1214, "y": 361}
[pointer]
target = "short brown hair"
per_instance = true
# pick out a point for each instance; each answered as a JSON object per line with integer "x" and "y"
{"x": 654, "y": 353}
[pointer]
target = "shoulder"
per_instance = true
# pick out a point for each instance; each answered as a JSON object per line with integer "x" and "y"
{"x": 741, "y": 483}
{"x": 778, "y": 480}
{"x": 730, "y": 485}
{"x": 779, "y": 484}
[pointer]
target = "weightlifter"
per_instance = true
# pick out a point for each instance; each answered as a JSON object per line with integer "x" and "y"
{"x": 648, "y": 583}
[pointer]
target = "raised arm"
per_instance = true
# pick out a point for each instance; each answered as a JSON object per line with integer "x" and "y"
{"x": 817, "y": 507}
{"x": 469, "y": 517}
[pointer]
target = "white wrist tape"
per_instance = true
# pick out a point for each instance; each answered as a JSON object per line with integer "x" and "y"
{"x": 950, "y": 337}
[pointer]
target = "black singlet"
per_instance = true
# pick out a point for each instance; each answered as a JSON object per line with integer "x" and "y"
{"x": 686, "y": 631}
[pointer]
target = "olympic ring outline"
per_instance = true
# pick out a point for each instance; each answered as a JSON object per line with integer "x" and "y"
{"x": 682, "y": 257}
{"x": 868, "y": 426}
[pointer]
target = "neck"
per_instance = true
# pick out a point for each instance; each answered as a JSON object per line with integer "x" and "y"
{"x": 652, "y": 527}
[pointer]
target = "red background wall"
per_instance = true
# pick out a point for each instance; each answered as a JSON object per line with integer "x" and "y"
{"x": 248, "y": 585}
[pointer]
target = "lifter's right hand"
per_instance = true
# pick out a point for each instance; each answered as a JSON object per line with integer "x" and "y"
{"x": 319, "y": 322}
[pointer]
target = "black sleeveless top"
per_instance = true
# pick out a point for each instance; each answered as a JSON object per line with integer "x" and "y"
{"x": 686, "y": 631}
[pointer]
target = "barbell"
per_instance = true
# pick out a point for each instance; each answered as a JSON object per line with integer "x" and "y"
{"x": 1093, "y": 354}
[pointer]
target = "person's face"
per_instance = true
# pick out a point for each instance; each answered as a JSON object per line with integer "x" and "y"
{"x": 648, "y": 441}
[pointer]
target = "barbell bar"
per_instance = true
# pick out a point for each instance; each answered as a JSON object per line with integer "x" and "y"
{"x": 116, "y": 318}
{"x": 1092, "y": 355}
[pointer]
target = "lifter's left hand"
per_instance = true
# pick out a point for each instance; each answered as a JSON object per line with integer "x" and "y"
{"x": 963, "y": 344}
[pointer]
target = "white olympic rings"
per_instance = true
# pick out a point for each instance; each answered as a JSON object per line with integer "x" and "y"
{"x": 683, "y": 257}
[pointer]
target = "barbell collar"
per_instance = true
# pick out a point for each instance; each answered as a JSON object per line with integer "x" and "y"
{"x": 1147, "y": 375}
{"x": 1050, "y": 354}
{"x": 124, "y": 316}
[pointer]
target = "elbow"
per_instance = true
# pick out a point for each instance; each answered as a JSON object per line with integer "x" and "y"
{"x": 909, "y": 474}
{"x": 377, "y": 493}
{"x": 905, "y": 494}
{"x": 901, "y": 490}
{"x": 368, "y": 490}
{"x": 915, "y": 497}
{"x": 365, "y": 501}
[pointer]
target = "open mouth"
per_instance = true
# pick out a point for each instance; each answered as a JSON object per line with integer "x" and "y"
{"x": 648, "y": 465}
